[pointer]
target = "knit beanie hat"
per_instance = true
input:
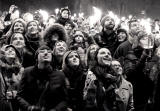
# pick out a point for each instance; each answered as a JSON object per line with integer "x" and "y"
{"x": 104, "y": 19}
{"x": 41, "y": 48}
{"x": 17, "y": 52}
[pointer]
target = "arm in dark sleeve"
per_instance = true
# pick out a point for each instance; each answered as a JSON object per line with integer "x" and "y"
{"x": 7, "y": 18}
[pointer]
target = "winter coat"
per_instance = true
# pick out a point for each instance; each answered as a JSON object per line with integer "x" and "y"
{"x": 43, "y": 88}
{"x": 107, "y": 41}
{"x": 101, "y": 97}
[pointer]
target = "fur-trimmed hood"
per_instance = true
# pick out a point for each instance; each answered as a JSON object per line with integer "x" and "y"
{"x": 55, "y": 28}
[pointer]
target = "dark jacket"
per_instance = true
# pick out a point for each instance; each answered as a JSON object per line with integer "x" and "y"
{"x": 44, "y": 88}
{"x": 75, "y": 78}
{"x": 107, "y": 41}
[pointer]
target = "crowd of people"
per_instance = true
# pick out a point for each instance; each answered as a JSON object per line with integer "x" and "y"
{"x": 66, "y": 65}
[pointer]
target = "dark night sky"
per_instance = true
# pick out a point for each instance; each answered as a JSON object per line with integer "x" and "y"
{"x": 123, "y": 7}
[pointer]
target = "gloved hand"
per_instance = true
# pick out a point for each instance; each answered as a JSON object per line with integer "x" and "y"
{"x": 34, "y": 108}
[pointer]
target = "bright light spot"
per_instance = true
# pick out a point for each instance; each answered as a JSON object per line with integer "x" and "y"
{"x": 28, "y": 17}
{"x": 123, "y": 18}
{"x": 130, "y": 16}
{"x": 95, "y": 17}
{"x": 111, "y": 14}
{"x": 74, "y": 14}
{"x": 44, "y": 14}
{"x": 56, "y": 10}
{"x": 81, "y": 15}
{"x": 146, "y": 25}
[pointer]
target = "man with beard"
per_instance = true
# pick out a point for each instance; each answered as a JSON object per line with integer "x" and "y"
{"x": 107, "y": 37}
{"x": 42, "y": 88}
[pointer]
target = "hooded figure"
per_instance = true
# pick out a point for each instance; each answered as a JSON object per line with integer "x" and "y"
{"x": 11, "y": 72}
{"x": 42, "y": 88}
{"x": 54, "y": 33}
{"x": 75, "y": 79}
{"x": 64, "y": 16}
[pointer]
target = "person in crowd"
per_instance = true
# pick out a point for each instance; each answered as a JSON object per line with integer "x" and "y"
{"x": 69, "y": 26}
{"x": 105, "y": 88}
{"x": 12, "y": 14}
{"x": 107, "y": 37}
{"x": 78, "y": 43}
{"x": 11, "y": 72}
{"x": 125, "y": 47}
{"x": 33, "y": 34}
{"x": 75, "y": 77}
{"x": 18, "y": 25}
{"x": 78, "y": 40}
{"x": 155, "y": 77}
{"x": 64, "y": 16}
{"x": 136, "y": 72}
{"x": 20, "y": 42}
{"x": 42, "y": 88}
{"x": 59, "y": 50}
{"x": 54, "y": 33}
{"x": 90, "y": 56}
{"x": 122, "y": 36}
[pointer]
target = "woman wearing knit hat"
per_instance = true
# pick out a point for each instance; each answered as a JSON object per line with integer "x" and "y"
{"x": 75, "y": 78}
{"x": 11, "y": 71}
{"x": 42, "y": 87}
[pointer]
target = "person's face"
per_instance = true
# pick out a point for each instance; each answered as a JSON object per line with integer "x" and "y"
{"x": 32, "y": 28}
{"x": 73, "y": 59}
{"x": 117, "y": 68}
{"x": 45, "y": 56}
{"x": 10, "y": 53}
{"x": 109, "y": 23}
{"x": 68, "y": 27}
{"x": 104, "y": 57}
{"x": 18, "y": 27}
{"x": 93, "y": 49}
{"x": 79, "y": 37}
{"x": 122, "y": 36}
{"x": 55, "y": 37}
{"x": 65, "y": 14}
{"x": 18, "y": 41}
{"x": 146, "y": 42}
{"x": 60, "y": 48}
{"x": 135, "y": 27}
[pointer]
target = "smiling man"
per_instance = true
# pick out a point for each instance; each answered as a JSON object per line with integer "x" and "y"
{"x": 42, "y": 88}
